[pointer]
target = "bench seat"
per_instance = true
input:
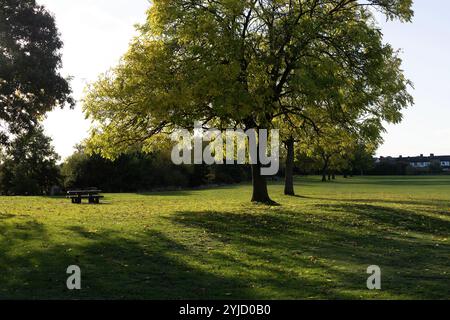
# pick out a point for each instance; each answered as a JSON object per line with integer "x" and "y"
{"x": 85, "y": 196}
{"x": 92, "y": 198}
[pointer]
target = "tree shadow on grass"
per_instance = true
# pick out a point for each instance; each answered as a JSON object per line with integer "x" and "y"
{"x": 302, "y": 257}
{"x": 113, "y": 267}
{"x": 6, "y": 216}
{"x": 231, "y": 255}
{"x": 151, "y": 266}
{"x": 394, "y": 218}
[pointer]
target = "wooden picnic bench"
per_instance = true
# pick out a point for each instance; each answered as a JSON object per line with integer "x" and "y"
{"x": 93, "y": 196}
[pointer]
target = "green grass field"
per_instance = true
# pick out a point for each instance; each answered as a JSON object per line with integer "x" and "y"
{"x": 215, "y": 244}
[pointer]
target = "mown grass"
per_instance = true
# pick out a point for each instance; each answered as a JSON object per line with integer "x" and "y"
{"x": 215, "y": 244}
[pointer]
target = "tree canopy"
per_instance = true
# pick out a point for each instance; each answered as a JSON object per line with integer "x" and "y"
{"x": 30, "y": 59}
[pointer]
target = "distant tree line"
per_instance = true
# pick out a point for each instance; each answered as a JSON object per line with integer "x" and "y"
{"x": 361, "y": 162}
{"x": 137, "y": 171}
{"x": 29, "y": 166}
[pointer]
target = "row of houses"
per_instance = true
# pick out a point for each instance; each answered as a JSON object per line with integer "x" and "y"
{"x": 420, "y": 162}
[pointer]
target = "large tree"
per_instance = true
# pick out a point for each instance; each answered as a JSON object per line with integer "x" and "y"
{"x": 226, "y": 63}
{"x": 30, "y": 59}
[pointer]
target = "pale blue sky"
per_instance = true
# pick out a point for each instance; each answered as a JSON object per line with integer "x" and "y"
{"x": 96, "y": 33}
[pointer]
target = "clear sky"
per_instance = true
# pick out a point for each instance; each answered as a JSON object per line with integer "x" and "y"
{"x": 96, "y": 34}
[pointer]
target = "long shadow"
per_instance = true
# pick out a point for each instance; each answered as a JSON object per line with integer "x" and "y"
{"x": 5, "y": 216}
{"x": 395, "y": 218}
{"x": 151, "y": 266}
{"x": 113, "y": 267}
{"x": 293, "y": 241}
{"x": 279, "y": 253}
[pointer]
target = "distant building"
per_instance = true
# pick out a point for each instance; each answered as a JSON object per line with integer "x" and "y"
{"x": 420, "y": 162}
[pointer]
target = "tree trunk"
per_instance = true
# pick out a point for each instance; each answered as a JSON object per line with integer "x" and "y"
{"x": 333, "y": 176}
{"x": 260, "y": 192}
{"x": 289, "y": 179}
{"x": 325, "y": 170}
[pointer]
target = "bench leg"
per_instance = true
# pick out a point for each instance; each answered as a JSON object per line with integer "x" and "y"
{"x": 91, "y": 200}
{"x": 76, "y": 200}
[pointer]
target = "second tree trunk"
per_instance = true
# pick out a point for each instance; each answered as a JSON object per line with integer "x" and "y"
{"x": 289, "y": 180}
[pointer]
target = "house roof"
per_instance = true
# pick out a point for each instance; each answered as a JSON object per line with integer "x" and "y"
{"x": 418, "y": 158}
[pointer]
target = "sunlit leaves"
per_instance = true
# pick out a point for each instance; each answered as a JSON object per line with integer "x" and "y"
{"x": 236, "y": 63}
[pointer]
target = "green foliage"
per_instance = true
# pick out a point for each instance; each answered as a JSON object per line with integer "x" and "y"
{"x": 127, "y": 173}
{"x": 235, "y": 63}
{"x": 28, "y": 165}
{"x": 138, "y": 171}
{"x": 30, "y": 83}
{"x": 335, "y": 148}
{"x": 362, "y": 160}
